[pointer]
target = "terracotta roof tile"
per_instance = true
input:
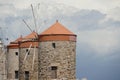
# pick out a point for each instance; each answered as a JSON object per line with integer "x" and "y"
{"x": 31, "y": 35}
{"x": 14, "y": 44}
{"x": 28, "y": 43}
{"x": 19, "y": 39}
{"x": 57, "y": 28}
{"x": 16, "y": 41}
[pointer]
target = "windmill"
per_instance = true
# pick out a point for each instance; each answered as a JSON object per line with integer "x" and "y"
{"x": 36, "y": 36}
{"x": 32, "y": 47}
{"x": 36, "y": 28}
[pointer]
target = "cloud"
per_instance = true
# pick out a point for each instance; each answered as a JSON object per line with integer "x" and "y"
{"x": 92, "y": 28}
{"x": 7, "y": 10}
{"x": 87, "y": 19}
{"x": 102, "y": 41}
{"x": 101, "y": 5}
{"x": 114, "y": 13}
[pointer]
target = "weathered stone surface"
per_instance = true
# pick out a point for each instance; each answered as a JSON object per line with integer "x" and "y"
{"x": 27, "y": 64}
{"x": 12, "y": 63}
{"x": 62, "y": 56}
{"x": 2, "y": 64}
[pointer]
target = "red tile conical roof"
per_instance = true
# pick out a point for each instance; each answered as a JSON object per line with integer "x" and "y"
{"x": 57, "y": 32}
{"x": 23, "y": 41}
{"x": 31, "y": 35}
{"x": 19, "y": 39}
{"x": 57, "y": 28}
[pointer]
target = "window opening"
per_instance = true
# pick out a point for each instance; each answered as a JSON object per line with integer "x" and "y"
{"x": 26, "y": 75}
{"x": 53, "y": 45}
{"x": 53, "y": 72}
{"x": 16, "y": 53}
{"x": 27, "y": 51}
{"x": 16, "y": 75}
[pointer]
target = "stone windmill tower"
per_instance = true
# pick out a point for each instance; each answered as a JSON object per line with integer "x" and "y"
{"x": 57, "y": 54}
{"x": 13, "y": 59}
{"x": 22, "y": 59}
{"x": 28, "y": 57}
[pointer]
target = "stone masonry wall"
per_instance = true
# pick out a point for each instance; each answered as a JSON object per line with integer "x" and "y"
{"x": 63, "y": 56}
{"x": 27, "y": 65}
{"x": 12, "y": 63}
{"x": 2, "y": 64}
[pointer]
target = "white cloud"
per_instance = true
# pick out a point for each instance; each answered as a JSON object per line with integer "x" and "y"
{"x": 7, "y": 10}
{"x": 114, "y": 13}
{"x": 109, "y": 7}
{"x": 81, "y": 4}
{"x": 103, "y": 5}
{"x": 102, "y": 41}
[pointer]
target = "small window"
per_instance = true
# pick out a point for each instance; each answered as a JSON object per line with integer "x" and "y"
{"x": 16, "y": 53}
{"x": 27, "y": 51}
{"x": 53, "y": 72}
{"x": 53, "y": 45}
{"x": 16, "y": 75}
{"x": 26, "y": 75}
{"x": 54, "y": 68}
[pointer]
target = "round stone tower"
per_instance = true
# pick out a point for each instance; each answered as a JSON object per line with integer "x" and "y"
{"x": 57, "y": 54}
{"x": 28, "y": 57}
{"x": 13, "y": 59}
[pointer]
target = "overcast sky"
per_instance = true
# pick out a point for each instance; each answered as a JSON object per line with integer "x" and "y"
{"x": 96, "y": 23}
